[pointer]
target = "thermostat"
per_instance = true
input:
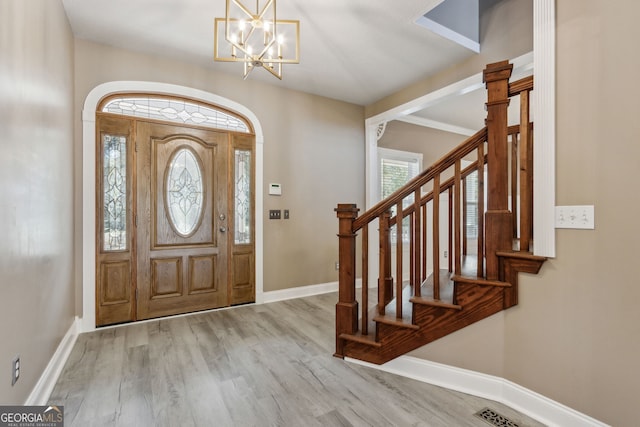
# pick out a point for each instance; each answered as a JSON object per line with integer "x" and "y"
{"x": 275, "y": 189}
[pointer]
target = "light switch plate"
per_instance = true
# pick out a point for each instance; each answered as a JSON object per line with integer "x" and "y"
{"x": 579, "y": 217}
{"x": 274, "y": 214}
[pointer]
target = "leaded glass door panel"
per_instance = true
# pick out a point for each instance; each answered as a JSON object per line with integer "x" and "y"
{"x": 182, "y": 219}
{"x": 175, "y": 225}
{"x": 242, "y": 271}
{"x": 115, "y": 296}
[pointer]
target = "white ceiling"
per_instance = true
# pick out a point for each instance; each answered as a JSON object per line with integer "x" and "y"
{"x": 356, "y": 51}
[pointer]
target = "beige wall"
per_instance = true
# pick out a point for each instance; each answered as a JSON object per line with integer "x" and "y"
{"x": 508, "y": 17}
{"x": 431, "y": 143}
{"x": 36, "y": 195}
{"x": 575, "y": 336}
{"x": 313, "y": 147}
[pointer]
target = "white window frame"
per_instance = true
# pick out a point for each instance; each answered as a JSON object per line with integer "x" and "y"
{"x": 400, "y": 156}
{"x": 543, "y": 62}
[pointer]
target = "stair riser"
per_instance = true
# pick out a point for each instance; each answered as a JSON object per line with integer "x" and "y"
{"x": 400, "y": 341}
{"x": 479, "y": 302}
{"x": 468, "y": 294}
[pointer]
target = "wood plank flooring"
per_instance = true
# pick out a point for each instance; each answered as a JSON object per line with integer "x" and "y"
{"x": 254, "y": 365}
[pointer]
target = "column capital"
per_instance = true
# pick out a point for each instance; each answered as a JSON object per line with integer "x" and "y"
{"x": 497, "y": 71}
{"x": 347, "y": 210}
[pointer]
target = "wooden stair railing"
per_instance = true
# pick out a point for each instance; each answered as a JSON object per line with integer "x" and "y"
{"x": 433, "y": 301}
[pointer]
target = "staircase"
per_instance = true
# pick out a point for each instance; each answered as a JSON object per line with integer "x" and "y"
{"x": 432, "y": 300}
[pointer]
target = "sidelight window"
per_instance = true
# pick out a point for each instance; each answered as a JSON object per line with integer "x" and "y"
{"x": 114, "y": 192}
{"x": 242, "y": 197}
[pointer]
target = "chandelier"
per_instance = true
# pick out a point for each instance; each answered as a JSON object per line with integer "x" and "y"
{"x": 257, "y": 39}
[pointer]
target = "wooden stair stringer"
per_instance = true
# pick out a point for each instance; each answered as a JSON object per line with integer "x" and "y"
{"x": 474, "y": 299}
{"x": 512, "y": 263}
{"x": 430, "y": 322}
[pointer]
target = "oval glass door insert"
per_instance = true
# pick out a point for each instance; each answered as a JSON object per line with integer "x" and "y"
{"x": 184, "y": 192}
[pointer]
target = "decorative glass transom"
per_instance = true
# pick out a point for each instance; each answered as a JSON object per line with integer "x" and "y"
{"x": 114, "y": 195}
{"x": 184, "y": 192}
{"x": 242, "y": 197}
{"x": 174, "y": 110}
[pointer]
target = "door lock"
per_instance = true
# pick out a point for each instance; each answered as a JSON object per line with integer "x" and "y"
{"x": 223, "y": 229}
{"x": 222, "y": 217}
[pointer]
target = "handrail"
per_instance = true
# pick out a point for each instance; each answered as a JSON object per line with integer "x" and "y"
{"x": 519, "y": 86}
{"x": 446, "y": 185}
{"x": 497, "y": 227}
{"x": 426, "y": 198}
{"x": 421, "y": 179}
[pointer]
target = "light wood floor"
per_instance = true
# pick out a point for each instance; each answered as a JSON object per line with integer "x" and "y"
{"x": 256, "y": 365}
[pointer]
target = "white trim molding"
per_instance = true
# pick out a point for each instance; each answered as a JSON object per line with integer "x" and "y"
{"x": 303, "y": 291}
{"x": 543, "y": 61}
{"x": 522, "y": 65}
{"x": 43, "y": 388}
{"x": 448, "y": 33}
{"x": 89, "y": 170}
{"x": 433, "y": 124}
{"x": 544, "y": 113}
{"x": 526, "y": 401}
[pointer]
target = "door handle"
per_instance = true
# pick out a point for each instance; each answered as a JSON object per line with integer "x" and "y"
{"x": 223, "y": 229}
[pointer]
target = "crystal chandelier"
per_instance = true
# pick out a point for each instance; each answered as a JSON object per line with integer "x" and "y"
{"x": 257, "y": 39}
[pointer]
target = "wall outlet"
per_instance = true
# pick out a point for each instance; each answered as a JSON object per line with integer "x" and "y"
{"x": 580, "y": 217}
{"x": 15, "y": 370}
{"x": 337, "y": 265}
{"x": 446, "y": 254}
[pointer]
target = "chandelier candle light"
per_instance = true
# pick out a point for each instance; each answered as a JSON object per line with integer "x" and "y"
{"x": 256, "y": 39}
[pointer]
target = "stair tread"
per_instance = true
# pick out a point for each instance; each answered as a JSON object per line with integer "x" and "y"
{"x": 391, "y": 319}
{"x": 480, "y": 281}
{"x": 362, "y": 339}
{"x": 434, "y": 303}
{"x": 445, "y": 288}
{"x": 520, "y": 255}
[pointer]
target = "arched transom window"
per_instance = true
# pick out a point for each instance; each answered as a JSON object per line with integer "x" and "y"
{"x": 174, "y": 110}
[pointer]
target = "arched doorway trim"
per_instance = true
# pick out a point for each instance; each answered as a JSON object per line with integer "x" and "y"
{"x": 89, "y": 170}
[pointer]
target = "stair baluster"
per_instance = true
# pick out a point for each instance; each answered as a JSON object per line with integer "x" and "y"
{"x": 441, "y": 302}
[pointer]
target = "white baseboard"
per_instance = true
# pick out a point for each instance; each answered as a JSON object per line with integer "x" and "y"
{"x": 528, "y": 402}
{"x": 43, "y": 388}
{"x": 302, "y": 291}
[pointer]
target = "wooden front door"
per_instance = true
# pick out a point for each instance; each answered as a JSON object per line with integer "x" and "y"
{"x": 181, "y": 219}
{"x": 175, "y": 226}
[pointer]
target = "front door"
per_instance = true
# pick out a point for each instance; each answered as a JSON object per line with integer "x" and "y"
{"x": 175, "y": 226}
{"x": 181, "y": 219}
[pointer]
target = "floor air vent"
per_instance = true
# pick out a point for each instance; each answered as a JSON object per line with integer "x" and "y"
{"x": 494, "y": 418}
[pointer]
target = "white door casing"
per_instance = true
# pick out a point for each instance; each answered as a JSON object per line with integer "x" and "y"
{"x": 92, "y": 100}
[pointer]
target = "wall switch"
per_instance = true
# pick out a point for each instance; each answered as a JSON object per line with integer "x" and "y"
{"x": 580, "y": 217}
{"x": 286, "y": 214}
{"x": 15, "y": 370}
{"x": 274, "y": 214}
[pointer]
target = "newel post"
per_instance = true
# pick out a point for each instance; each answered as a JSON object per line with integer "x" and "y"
{"x": 498, "y": 218}
{"x": 347, "y": 306}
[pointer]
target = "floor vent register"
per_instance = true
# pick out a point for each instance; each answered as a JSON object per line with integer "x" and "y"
{"x": 494, "y": 418}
